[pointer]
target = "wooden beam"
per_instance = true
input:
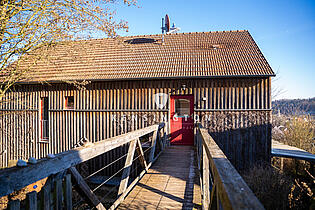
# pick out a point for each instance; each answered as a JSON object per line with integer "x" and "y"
{"x": 127, "y": 167}
{"x": 85, "y": 190}
{"x": 143, "y": 162}
{"x": 16, "y": 178}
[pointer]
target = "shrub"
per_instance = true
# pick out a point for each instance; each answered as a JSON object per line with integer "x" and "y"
{"x": 300, "y": 133}
{"x": 269, "y": 185}
{"x": 278, "y": 190}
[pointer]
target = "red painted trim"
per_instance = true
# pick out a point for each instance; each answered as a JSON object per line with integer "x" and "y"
{"x": 43, "y": 109}
{"x": 182, "y": 128}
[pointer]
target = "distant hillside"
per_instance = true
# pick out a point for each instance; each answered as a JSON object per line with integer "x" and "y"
{"x": 297, "y": 106}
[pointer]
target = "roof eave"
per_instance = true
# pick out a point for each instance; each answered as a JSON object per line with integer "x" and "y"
{"x": 153, "y": 78}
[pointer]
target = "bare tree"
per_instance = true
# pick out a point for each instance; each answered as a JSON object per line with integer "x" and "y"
{"x": 30, "y": 25}
{"x": 276, "y": 90}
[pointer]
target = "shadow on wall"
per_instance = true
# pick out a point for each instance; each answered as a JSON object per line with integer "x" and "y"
{"x": 244, "y": 137}
{"x": 245, "y": 147}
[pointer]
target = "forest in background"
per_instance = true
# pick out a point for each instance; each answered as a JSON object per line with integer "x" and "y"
{"x": 294, "y": 106}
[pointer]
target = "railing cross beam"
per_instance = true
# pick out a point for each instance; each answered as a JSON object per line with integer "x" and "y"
{"x": 85, "y": 189}
{"x": 140, "y": 152}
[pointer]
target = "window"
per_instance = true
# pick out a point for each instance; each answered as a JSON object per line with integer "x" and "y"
{"x": 69, "y": 102}
{"x": 44, "y": 119}
{"x": 182, "y": 107}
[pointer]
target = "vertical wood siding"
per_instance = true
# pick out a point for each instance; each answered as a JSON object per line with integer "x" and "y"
{"x": 236, "y": 112}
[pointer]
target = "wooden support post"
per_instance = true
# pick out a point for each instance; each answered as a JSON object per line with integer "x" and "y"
{"x": 141, "y": 155}
{"x": 14, "y": 205}
{"x": 68, "y": 192}
{"x": 46, "y": 195}
{"x": 164, "y": 140}
{"x": 126, "y": 171}
{"x": 160, "y": 140}
{"x": 129, "y": 188}
{"x": 154, "y": 138}
{"x": 85, "y": 189}
{"x": 58, "y": 194}
{"x": 205, "y": 179}
{"x": 32, "y": 200}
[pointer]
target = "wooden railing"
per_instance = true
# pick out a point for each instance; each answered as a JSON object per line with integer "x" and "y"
{"x": 59, "y": 175}
{"x": 221, "y": 185}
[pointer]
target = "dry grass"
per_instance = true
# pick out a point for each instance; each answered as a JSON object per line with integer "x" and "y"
{"x": 269, "y": 185}
{"x": 278, "y": 190}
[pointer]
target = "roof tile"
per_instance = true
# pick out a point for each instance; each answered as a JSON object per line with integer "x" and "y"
{"x": 208, "y": 54}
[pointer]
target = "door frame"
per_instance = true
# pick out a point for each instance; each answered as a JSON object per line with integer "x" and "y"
{"x": 170, "y": 108}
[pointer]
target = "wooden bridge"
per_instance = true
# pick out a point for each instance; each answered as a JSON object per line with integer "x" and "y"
{"x": 153, "y": 175}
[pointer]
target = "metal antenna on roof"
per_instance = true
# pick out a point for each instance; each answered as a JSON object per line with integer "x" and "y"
{"x": 166, "y": 28}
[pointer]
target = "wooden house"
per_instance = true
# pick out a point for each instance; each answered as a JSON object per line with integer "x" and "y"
{"x": 220, "y": 79}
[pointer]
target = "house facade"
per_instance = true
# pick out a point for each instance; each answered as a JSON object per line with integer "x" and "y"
{"x": 102, "y": 88}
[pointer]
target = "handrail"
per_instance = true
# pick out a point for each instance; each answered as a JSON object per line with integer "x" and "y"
{"x": 222, "y": 186}
{"x": 13, "y": 179}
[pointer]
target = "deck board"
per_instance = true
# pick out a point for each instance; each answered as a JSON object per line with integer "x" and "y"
{"x": 171, "y": 183}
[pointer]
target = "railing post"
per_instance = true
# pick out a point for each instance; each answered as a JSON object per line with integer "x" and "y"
{"x": 160, "y": 142}
{"x": 46, "y": 195}
{"x": 154, "y": 139}
{"x": 205, "y": 179}
{"x": 58, "y": 194}
{"x": 126, "y": 171}
{"x": 164, "y": 140}
{"x": 68, "y": 192}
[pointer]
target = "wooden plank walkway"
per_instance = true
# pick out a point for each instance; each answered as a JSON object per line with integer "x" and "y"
{"x": 171, "y": 183}
{"x": 282, "y": 150}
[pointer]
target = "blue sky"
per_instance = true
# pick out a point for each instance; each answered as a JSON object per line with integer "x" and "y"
{"x": 284, "y": 31}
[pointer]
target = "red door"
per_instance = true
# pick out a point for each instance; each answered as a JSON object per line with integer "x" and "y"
{"x": 182, "y": 122}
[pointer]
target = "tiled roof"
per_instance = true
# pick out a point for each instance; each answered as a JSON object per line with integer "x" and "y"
{"x": 202, "y": 54}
